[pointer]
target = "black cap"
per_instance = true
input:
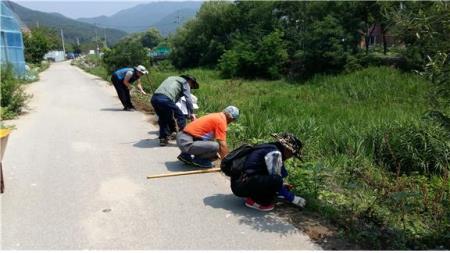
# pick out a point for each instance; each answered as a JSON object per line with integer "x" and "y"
{"x": 194, "y": 81}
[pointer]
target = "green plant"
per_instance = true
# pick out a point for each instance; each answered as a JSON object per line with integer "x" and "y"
{"x": 13, "y": 96}
{"x": 125, "y": 54}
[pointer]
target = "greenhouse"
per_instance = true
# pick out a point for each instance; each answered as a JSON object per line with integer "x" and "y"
{"x": 11, "y": 42}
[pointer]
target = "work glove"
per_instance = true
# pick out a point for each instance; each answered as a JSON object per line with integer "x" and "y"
{"x": 299, "y": 201}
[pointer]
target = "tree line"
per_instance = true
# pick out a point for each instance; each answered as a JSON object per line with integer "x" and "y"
{"x": 299, "y": 39}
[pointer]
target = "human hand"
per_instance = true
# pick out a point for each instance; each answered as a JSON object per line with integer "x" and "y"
{"x": 143, "y": 92}
{"x": 193, "y": 117}
{"x": 299, "y": 201}
{"x": 288, "y": 186}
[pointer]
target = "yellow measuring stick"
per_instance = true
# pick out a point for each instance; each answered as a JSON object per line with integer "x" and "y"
{"x": 182, "y": 173}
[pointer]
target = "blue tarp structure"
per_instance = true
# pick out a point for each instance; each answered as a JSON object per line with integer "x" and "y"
{"x": 11, "y": 43}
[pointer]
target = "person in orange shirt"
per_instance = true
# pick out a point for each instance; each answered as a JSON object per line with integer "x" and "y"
{"x": 204, "y": 140}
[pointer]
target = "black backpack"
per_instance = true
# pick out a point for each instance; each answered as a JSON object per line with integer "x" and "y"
{"x": 232, "y": 164}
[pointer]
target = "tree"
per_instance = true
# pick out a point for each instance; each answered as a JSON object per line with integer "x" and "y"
{"x": 125, "y": 54}
{"x": 151, "y": 38}
{"x": 201, "y": 41}
{"x": 39, "y": 42}
{"x": 425, "y": 29}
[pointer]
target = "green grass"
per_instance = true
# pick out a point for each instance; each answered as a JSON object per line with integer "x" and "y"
{"x": 344, "y": 121}
{"x": 373, "y": 165}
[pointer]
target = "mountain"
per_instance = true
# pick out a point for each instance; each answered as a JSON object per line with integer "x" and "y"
{"x": 144, "y": 16}
{"x": 72, "y": 29}
{"x": 171, "y": 22}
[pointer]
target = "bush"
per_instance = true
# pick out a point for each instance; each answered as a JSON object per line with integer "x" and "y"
{"x": 125, "y": 54}
{"x": 412, "y": 148}
{"x": 13, "y": 97}
{"x": 38, "y": 43}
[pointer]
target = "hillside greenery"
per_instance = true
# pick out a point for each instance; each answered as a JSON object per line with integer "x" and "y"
{"x": 73, "y": 30}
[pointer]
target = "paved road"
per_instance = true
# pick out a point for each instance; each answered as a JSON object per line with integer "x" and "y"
{"x": 76, "y": 179}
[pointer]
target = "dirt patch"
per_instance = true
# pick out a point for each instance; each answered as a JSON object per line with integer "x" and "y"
{"x": 142, "y": 102}
{"x": 317, "y": 228}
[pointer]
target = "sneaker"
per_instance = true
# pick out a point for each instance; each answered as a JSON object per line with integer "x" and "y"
{"x": 185, "y": 158}
{"x": 163, "y": 142}
{"x": 173, "y": 136}
{"x": 252, "y": 204}
{"x": 202, "y": 163}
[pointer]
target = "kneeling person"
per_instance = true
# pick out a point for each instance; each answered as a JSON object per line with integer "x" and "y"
{"x": 205, "y": 137}
{"x": 262, "y": 178}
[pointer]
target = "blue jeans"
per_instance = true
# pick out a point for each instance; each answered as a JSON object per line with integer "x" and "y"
{"x": 166, "y": 110}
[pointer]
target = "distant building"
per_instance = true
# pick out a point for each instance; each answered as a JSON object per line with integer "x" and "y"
{"x": 376, "y": 37}
{"x": 11, "y": 41}
{"x": 55, "y": 56}
{"x": 159, "y": 53}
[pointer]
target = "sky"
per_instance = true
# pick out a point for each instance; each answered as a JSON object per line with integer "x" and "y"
{"x": 81, "y": 9}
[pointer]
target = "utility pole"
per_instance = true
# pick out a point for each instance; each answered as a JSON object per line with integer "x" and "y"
{"x": 62, "y": 39}
{"x": 96, "y": 39}
{"x": 104, "y": 33}
{"x": 178, "y": 17}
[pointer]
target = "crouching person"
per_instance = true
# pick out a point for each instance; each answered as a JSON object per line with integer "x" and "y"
{"x": 202, "y": 140}
{"x": 262, "y": 178}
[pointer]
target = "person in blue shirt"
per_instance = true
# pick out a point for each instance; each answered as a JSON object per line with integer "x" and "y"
{"x": 262, "y": 179}
{"x": 122, "y": 80}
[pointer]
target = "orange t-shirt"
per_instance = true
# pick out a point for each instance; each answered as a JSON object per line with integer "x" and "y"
{"x": 209, "y": 127}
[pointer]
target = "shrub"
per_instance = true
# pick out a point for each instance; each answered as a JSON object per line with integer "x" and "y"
{"x": 13, "y": 97}
{"x": 412, "y": 148}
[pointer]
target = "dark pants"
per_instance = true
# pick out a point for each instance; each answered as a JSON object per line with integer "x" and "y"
{"x": 261, "y": 188}
{"x": 122, "y": 91}
{"x": 173, "y": 124}
{"x": 166, "y": 110}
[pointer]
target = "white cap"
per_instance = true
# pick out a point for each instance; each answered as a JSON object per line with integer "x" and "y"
{"x": 142, "y": 69}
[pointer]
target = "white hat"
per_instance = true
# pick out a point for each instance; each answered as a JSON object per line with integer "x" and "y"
{"x": 142, "y": 69}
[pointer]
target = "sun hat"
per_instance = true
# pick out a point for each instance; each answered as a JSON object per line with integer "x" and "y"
{"x": 142, "y": 69}
{"x": 195, "y": 85}
{"x": 291, "y": 142}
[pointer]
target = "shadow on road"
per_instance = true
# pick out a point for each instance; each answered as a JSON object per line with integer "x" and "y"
{"x": 151, "y": 143}
{"x": 177, "y": 166}
{"x": 260, "y": 221}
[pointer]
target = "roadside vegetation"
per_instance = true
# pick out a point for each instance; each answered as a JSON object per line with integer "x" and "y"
{"x": 375, "y": 121}
{"x": 13, "y": 96}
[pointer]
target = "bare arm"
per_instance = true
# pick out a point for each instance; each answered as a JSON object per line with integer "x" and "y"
{"x": 223, "y": 148}
{"x": 139, "y": 85}
{"x": 126, "y": 80}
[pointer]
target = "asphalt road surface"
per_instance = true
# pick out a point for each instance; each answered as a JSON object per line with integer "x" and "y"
{"x": 75, "y": 172}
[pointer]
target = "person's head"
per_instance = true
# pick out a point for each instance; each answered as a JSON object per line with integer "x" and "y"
{"x": 192, "y": 81}
{"x": 292, "y": 146}
{"x": 141, "y": 70}
{"x": 232, "y": 113}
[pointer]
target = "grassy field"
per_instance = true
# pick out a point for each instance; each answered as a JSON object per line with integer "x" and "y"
{"x": 373, "y": 165}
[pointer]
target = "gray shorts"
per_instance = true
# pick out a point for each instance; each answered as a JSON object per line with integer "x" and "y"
{"x": 202, "y": 149}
